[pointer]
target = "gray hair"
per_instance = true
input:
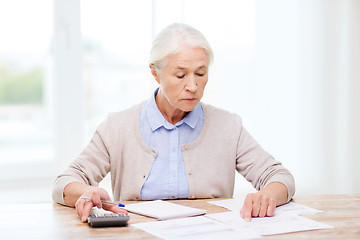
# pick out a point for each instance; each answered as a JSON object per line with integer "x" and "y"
{"x": 170, "y": 40}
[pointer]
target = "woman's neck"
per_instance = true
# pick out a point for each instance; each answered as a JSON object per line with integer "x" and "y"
{"x": 169, "y": 112}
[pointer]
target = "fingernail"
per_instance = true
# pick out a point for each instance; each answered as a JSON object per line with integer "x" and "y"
{"x": 247, "y": 219}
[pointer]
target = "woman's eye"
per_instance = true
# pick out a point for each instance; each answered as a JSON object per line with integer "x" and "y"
{"x": 181, "y": 76}
{"x": 200, "y": 74}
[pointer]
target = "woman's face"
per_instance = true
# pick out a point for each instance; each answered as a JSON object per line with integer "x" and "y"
{"x": 183, "y": 78}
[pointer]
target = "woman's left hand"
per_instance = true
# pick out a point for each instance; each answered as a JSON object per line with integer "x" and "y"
{"x": 264, "y": 202}
{"x": 258, "y": 205}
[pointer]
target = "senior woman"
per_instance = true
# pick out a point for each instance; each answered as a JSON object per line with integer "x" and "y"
{"x": 174, "y": 146}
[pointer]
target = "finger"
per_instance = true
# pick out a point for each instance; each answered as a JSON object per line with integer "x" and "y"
{"x": 96, "y": 199}
{"x": 86, "y": 211}
{"x": 271, "y": 208}
{"x": 255, "y": 207}
{"x": 263, "y": 207}
{"x": 246, "y": 209}
{"x": 79, "y": 205}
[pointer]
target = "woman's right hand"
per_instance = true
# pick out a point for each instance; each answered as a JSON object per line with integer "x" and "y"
{"x": 83, "y": 207}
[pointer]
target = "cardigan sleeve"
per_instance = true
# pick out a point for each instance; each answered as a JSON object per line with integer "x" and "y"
{"x": 91, "y": 166}
{"x": 258, "y": 166}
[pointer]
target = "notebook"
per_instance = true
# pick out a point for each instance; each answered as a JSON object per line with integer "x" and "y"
{"x": 163, "y": 210}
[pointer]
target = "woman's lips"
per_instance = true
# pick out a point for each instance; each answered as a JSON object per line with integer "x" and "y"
{"x": 189, "y": 99}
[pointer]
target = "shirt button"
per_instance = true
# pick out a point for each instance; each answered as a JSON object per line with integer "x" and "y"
{"x": 174, "y": 175}
{"x": 173, "y": 150}
{"x": 174, "y": 128}
{"x": 173, "y": 197}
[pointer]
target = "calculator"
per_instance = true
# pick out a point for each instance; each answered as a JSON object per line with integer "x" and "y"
{"x": 107, "y": 219}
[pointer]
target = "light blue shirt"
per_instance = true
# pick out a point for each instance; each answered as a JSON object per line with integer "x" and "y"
{"x": 167, "y": 178}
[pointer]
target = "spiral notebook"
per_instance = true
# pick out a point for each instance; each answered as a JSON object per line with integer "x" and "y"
{"x": 163, "y": 210}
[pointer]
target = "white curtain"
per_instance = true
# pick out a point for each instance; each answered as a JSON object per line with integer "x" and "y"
{"x": 330, "y": 77}
{"x": 306, "y": 69}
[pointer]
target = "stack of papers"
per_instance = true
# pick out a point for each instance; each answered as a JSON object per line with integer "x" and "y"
{"x": 268, "y": 225}
{"x": 163, "y": 210}
{"x": 194, "y": 228}
{"x": 226, "y": 225}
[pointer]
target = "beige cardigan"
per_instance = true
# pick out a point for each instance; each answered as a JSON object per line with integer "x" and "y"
{"x": 210, "y": 161}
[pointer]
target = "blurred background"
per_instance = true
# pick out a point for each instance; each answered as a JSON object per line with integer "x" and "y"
{"x": 289, "y": 68}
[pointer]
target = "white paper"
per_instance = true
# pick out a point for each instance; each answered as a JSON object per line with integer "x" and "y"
{"x": 288, "y": 208}
{"x": 194, "y": 228}
{"x": 163, "y": 210}
{"x": 234, "y": 204}
{"x": 281, "y": 223}
{"x": 295, "y": 208}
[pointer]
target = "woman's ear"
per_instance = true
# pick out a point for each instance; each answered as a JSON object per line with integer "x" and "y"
{"x": 155, "y": 73}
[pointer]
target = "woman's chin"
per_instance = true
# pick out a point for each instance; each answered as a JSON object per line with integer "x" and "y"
{"x": 188, "y": 107}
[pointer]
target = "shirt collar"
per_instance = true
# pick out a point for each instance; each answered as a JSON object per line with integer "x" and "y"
{"x": 157, "y": 120}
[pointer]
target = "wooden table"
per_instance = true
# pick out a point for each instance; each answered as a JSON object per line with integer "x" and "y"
{"x": 53, "y": 221}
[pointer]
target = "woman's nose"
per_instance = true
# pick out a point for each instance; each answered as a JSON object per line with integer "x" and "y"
{"x": 191, "y": 84}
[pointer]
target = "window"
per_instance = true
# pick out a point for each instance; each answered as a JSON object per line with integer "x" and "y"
{"x": 26, "y": 137}
{"x": 116, "y": 47}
